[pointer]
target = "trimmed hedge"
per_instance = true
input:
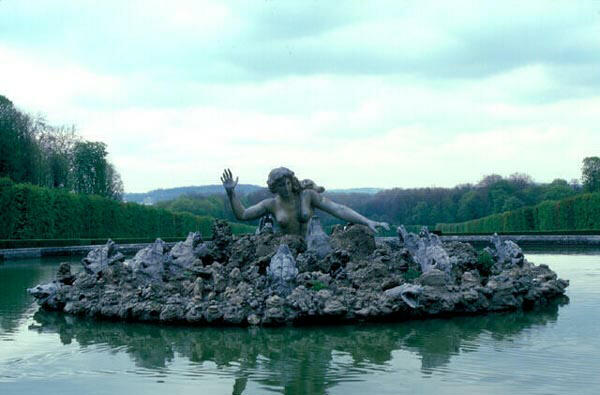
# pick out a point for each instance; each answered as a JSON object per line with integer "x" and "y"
{"x": 577, "y": 213}
{"x": 32, "y": 212}
{"x": 37, "y": 243}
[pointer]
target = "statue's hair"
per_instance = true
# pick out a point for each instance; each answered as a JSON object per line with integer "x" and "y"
{"x": 278, "y": 174}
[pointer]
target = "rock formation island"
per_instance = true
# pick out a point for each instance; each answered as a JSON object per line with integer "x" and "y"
{"x": 274, "y": 279}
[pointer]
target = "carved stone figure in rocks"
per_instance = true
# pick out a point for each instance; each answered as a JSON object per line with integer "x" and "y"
{"x": 282, "y": 271}
{"x": 426, "y": 249}
{"x": 293, "y": 204}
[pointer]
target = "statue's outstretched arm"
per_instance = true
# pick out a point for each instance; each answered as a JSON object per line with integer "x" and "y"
{"x": 250, "y": 213}
{"x": 240, "y": 212}
{"x": 344, "y": 212}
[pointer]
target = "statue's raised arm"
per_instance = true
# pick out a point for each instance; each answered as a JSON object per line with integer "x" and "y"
{"x": 240, "y": 212}
{"x": 293, "y": 203}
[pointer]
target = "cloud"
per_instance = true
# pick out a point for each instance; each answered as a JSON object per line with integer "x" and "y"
{"x": 232, "y": 42}
{"x": 51, "y": 88}
{"x": 354, "y": 94}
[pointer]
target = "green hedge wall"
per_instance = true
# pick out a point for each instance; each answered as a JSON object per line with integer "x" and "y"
{"x": 37, "y": 243}
{"x": 581, "y": 212}
{"x": 32, "y": 212}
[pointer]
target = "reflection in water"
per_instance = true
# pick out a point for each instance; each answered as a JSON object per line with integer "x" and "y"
{"x": 300, "y": 360}
{"x": 14, "y": 301}
{"x": 15, "y": 278}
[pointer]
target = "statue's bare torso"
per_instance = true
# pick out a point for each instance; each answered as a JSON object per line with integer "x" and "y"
{"x": 292, "y": 206}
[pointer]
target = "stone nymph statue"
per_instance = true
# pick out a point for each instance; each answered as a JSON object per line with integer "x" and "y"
{"x": 293, "y": 204}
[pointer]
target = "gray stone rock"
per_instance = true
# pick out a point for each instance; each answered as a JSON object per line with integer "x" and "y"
{"x": 470, "y": 279}
{"x": 100, "y": 258}
{"x": 44, "y": 293}
{"x": 409, "y": 240}
{"x": 433, "y": 257}
{"x": 334, "y": 307}
{"x": 222, "y": 236}
{"x": 149, "y": 263}
{"x": 253, "y": 319}
{"x": 63, "y": 275}
{"x": 433, "y": 278}
{"x": 184, "y": 253}
{"x": 408, "y": 293}
{"x": 507, "y": 251}
{"x": 316, "y": 239}
{"x": 358, "y": 240}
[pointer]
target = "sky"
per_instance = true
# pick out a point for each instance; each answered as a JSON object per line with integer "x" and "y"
{"x": 347, "y": 93}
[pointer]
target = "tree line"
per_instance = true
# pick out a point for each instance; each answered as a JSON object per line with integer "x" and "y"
{"x": 35, "y": 152}
{"x": 580, "y": 212}
{"x": 415, "y": 206}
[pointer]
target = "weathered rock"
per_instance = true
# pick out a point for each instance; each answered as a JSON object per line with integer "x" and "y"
{"x": 408, "y": 293}
{"x": 316, "y": 239}
{"x": 100, "y": 258}
{"x": 222, "y": 235}
{"x": 183, "y": 254}
{"x": 470, "y": 279}
{"x": 433, "y": 278}
{"x": 358, "y": 240}
{"x": 63, "y": 275}
{"x": 462, "y": 255}
{"x": 243, "y": 251}
{"x": 507, "y": 251}
{"x": 149, "y": 262}
{"x": 267, "y": 279}
{"x": 334, "y": 307}
{"x": 45, "y": 294}
{"x": 253, "y": 319}
{"x": 408, "y": 240}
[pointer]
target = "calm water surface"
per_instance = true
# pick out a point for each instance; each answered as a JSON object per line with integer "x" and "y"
{"x": 555, "y": 350}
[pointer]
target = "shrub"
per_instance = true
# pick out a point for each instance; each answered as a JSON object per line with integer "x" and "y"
{"x": 485, "y": 261}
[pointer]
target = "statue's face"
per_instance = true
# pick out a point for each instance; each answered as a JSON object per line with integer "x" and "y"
{"x": 284, "y": 187}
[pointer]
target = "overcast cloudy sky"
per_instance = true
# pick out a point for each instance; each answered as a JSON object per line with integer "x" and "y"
{"x": 350, "y": 94}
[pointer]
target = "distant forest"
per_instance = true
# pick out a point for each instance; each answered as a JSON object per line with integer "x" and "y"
{"x": 415, "y": 206}
{"x": 158, "y": 195}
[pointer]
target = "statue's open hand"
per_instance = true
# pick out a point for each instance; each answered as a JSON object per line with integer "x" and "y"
{"x": 227, "y": 180}
{"x": 373, "y": 225}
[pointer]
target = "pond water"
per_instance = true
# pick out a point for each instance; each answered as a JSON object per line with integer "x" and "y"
{"x": 554, "y": 350}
